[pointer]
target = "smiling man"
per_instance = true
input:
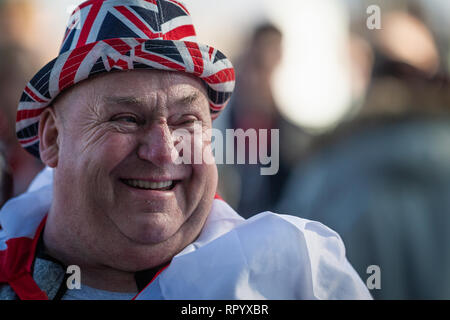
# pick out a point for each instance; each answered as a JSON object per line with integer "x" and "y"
{"x": 115, "y": 147}
{"x": 116, "y": 204}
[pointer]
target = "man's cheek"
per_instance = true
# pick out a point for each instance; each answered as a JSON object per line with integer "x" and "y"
{"x": 202, "y": 146}
{"x": 203, "y": 162}
{"x": 190, "y": 147}
{"x": 208, "y": 156}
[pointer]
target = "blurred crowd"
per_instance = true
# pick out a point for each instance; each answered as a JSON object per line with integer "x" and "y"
{"x": 379, "y": 178}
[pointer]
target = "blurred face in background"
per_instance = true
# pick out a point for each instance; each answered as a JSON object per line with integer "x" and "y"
{"x": 16, "y": 19}
{"x": 119, "y": 198}
{"x": 16, "y": 66}
{"x": 267, "y": 48}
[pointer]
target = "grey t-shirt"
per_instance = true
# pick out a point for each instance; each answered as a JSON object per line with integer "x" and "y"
{"x": 89, "y": 293}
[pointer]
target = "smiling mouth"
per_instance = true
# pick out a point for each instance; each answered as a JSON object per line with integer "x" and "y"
{"x": 147, "y": 185}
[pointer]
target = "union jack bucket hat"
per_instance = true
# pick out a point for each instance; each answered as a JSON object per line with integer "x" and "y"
{"x": 110, "y": 35}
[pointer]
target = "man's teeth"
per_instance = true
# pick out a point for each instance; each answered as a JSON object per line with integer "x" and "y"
{"x": 148, "y": 185}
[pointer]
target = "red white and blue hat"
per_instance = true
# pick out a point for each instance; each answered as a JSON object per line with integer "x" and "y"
{"x": 109, "y": 35}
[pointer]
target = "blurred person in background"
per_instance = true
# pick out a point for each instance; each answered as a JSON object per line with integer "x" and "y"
{"x": 17, "y": 65}
{"x": 408, "y": 75}
{"x": 382, "y": 179}
{"x": 253, "y": 106}
{"x": 6, "y": 183}
{"x": 16, "y": 18}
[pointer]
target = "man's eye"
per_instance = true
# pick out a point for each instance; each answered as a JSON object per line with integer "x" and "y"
{"x": 125, "y": 118}
{"x": 187, "y": 121}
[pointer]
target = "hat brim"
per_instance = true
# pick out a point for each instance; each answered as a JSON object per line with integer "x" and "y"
{"x": 81, "y": 63}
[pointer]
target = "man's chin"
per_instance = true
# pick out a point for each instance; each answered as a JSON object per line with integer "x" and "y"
{"x": 150, "y": 232}
{"x": 150, "y": 239}
{"x": 144, "y": 250}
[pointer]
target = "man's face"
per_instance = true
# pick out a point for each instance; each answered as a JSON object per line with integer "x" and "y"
{"x": 124, "y": 195}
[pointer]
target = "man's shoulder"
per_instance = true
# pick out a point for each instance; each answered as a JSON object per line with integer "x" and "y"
{"x": 301, "y": 254}
{"x": 269, "y": 256}
{"x": 286, "y": 233}
{"x": 275, "y": 222}
{"x": 280, "y": 230}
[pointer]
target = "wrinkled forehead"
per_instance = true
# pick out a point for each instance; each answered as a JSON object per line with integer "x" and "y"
{"x": 139, "y": 87}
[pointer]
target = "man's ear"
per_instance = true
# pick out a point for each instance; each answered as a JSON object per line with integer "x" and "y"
{"x": 48, "y": 137}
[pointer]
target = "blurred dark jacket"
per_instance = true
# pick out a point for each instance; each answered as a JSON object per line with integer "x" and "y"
{"x": 384, "y": 187}
{"x": 6, "y": 182}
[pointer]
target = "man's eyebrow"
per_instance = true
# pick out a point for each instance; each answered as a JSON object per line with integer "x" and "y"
{"x": 188, "y": 99}
{"x": 128, "y": 100}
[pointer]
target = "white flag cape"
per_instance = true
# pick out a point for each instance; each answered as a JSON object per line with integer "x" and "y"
{"x": 268, "y": 256}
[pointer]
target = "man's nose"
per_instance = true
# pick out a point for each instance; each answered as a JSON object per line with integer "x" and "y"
{"x": 157, "y": 144}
